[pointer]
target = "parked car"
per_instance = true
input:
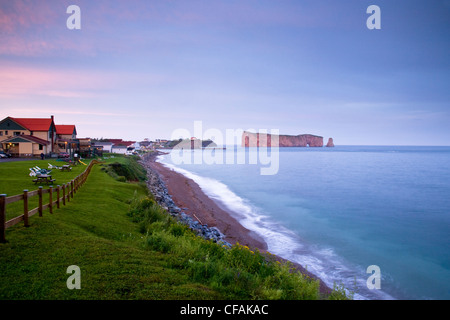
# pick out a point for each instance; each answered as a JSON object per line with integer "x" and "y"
{"x": 3, "y": 154}
{"x": 63, "y": 155}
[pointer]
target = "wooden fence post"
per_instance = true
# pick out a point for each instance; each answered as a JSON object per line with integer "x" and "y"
{"x": 58, "y": 196}
{"x": 68, "y": 191}
{"x": 25, "y": 208}
{"x": 40, "y": 201}
{"x": 50, "y": 197}
{"x": 2, "y": 217}
{"x": 71, "y": 187}
{"x": 64, "y": 194}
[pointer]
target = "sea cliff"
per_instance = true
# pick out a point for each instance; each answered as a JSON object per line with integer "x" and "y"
{"x": 250, "y": 139}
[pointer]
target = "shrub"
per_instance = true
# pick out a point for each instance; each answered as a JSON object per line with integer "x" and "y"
{"x": 121, "y": 179}
{"x": 292, "y": 284}
{"x": 130, "y": 170}
{"x": 177, "y": 229}
{"x": 160, "y": 241}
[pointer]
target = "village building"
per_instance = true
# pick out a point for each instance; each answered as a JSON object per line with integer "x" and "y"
{"x": 26, "y": 137}
{"x": 119, "y": 149}
{"x": 66, "y": 139}
{"x": 107, "y": 146}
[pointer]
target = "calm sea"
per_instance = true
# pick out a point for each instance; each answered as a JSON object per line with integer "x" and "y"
{"x": 339, "y": 210}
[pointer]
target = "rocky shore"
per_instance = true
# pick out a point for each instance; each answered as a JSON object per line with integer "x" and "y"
{"x": 158, "y": 188}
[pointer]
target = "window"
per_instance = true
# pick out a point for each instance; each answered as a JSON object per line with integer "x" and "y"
{"x": 41, "y": 147}
{"x": 1, "y": 133}
{"x": 6, "y": 132}
{"x": 16, "y": 133}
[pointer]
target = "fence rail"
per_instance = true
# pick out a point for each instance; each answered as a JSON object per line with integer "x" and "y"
{"x": 64, "y": 192}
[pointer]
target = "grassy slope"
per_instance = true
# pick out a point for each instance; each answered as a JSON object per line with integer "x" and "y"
{"x": 94, "y": 233}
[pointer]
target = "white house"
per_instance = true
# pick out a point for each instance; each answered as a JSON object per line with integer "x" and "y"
{"x": 119, "y": 149}
{"x": 107, "y": 146}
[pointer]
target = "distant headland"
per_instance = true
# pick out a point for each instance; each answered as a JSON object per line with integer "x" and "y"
{"x": 250, "y": 139}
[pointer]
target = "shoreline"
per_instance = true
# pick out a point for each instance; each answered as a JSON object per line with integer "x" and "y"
{"x": 184, "y": 198}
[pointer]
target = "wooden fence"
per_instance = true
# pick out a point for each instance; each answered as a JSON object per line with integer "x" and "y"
{"x": 57, "y": 196}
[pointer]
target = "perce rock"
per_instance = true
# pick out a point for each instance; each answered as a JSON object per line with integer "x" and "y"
{"x": 250, "y": 139}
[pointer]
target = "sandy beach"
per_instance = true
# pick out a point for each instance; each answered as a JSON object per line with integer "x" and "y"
{"x": 187, "y": 195}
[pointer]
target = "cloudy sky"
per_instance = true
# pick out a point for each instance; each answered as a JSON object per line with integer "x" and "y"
{"x": 142, "y": 69}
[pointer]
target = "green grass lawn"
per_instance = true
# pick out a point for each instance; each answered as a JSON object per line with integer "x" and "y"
{"x": 15, "y": 175}
{"x": 15, "y": 178}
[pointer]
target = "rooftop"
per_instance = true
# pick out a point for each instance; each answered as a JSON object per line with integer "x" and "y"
{"x": 35, "y": 124}
{"x": 66, "y": 129}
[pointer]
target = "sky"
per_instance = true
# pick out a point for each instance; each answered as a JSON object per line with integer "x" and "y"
{"x": 145, "y": 69}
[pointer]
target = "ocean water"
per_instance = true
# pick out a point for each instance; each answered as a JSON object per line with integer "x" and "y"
{"x": 339, "y": 210}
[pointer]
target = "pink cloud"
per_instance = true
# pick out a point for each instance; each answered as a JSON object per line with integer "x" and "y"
{"x": 82, "y": 111}
{"x": 30, "y": 28}
{"x": 21, "y": 81}
{"x": 17, "y": 81}
{"x": 30, "y": 46}
{"x": 19, "y": 14}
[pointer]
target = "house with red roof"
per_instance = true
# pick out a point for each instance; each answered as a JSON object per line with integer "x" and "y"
{"x": 24, "y": 137}
{"x": 120, "y": 142}
{"x": 66, "y": 131}
{"x": 28, "y": 136}
{"x": 66, "y": 138}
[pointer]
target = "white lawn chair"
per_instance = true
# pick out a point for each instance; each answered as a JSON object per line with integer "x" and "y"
{"x": 41, "y": 171}
{"x": 32, "y": 173}
{"x": 50, "y": 166}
